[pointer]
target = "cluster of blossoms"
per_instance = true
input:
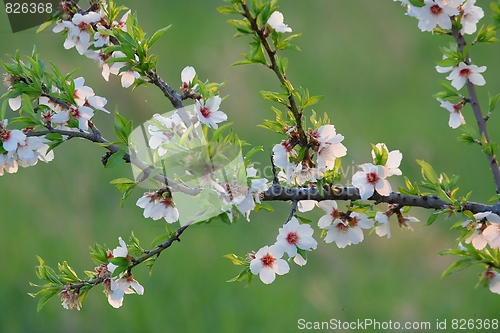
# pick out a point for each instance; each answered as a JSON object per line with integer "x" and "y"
{"x": 324, "y": 141}
{"x": 89, "y": 34}
{"x": 115, "y": 287}
{"x": 484, "y": 233}
{"x": 21, "y": 150}
{"x": 435, "y": 13}
{"x": 207, "y": 111}
{"x": 124, "y": 283}
{"x": 441, "y": 13}
{"x": 54, "y": 110}
{"x": 86, "y": 102}
{"x": 486, "y": 228}
{"x": 242, "y": 196}
{"x": 459, "y": 76}
{"x": 342, "y": 228}
{"x": 292, "y": 238}
{"x": 157, "y": 206}
{"x": 164, "y": 130}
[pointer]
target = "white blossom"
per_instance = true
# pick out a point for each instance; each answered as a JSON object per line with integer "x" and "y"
{"x": 157, "y": 207}
{"x": 15, "y": 103}
{"x": 382, "y": 227}
{"x": 463, "y": 72}
{"x": 371, "y": 178}
{"x": 267, "y": 263}
{"x": 187, "y": 76}
{"x": 276, "y": 21}
{"x": 470, "y": 17}
{"x": 294, "y": 235}
{"x": 494, "y": 284}
{"x": 393, "y": 159}
{"x": 208, "y": 111}
{"x": 346, "y": 231}
{"x": 435, "y": 13}
{"x": 456, "y": 117}
{"x": 330, "y": 147}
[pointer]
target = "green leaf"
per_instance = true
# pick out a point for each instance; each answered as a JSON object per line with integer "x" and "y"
{"x": 114, "y": 159}
{"x": 312, "y": 100}
{"x": 428, "y": 172}
{"x": 303, "y": 219}
{"x": 417, "y": 3}
{"x": 457, "y": 266}
{"x": 435, "y": 215}
{"x": 98, "y": 254}
{"x": 282, "y": 64}
{"x": 23, "y": 122}
{"x": 119, "y": 261}
{"x": 159, "y": 239}
{"x": 236, "y": 260}
{"x": 494, "y": 198}
{"x": 45, "y": 299}
{"x": 381, "y": 155}
{"x": 44, "y": 26}
{"x": 28, "y": 108}
{"x": 68, "y": 271}
{"x": 443, "y": 196}
{"x": 121, "y": 181}
{"x": 244, "y": 274}
{"x": 127, "y": 193}
{"x": 241, "y": 25}
{"x": 252, "y": 152}
{"x": 493, "y": 100}
{"x": 241, "y": 62}
{"x": 410, "y": 186}
{"x": 218, "y": 132}
{"x": 122, "y": 127}
{"x": 487, "y": 34}
{"x": 118, "y": 270}
{"x": 157, "y": 35}
{"x": 447, "y": 62}
{"x": 227, "y": 10}
{"x": 275, "y": 97}
{"x": 263, "y": 205}
{"x": 3, "y": 109}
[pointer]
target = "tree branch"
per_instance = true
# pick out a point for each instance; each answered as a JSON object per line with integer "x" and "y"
{"x": 474, "y": 102}
{"x": 96, "y": 137}
{"x": 281, "y": 76}
{"x": 280, "y": 193}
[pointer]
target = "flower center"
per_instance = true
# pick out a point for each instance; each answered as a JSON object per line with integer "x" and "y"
{"x": 83, "y": 26}
{"x": 353, "y": 221}
{"x": 4, "y": 135}
{"x": 267, "y": 260}
{"x": 167, "y": 201}
{"x": 464, "y": 72}
{"x": 436, "y": 10}
{"x": 75, "y": 113}
{"x": 372, "y": 178}
{"x": 335, "y": 214}
{"x": 205, "y": 112}
{"x": 292, "y": 238}
{"x": 341, "y": 227}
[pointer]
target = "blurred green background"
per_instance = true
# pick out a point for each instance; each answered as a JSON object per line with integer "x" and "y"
{"x": 376, "y": 70}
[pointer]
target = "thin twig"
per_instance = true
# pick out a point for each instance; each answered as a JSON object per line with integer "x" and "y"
{"x": 476, "y": 108}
